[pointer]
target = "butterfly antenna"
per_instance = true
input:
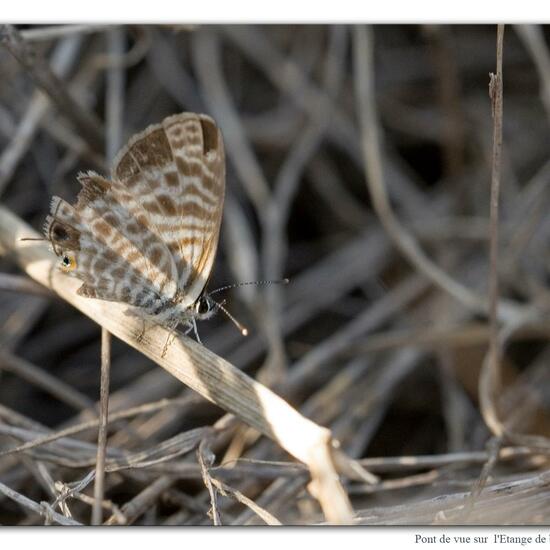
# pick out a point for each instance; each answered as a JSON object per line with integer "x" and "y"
{"x": 243, "y": 329}
{"x": 33, "y": 239}
{"x": 284, "y": 281}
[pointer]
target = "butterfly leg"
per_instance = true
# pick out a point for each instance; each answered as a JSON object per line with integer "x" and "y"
{"x": 139, "y": 338}
{"x": 196, "y": 331}
{"x": 172, "y": 334}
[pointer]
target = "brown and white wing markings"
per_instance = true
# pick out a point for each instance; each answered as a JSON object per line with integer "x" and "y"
{"x": 173, "y": 174}
{"x": 127, "y": 234}
{"x": 115, "y": 258}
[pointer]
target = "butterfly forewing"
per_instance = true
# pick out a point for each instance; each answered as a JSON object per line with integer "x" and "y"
{"x": 175, "y": 171}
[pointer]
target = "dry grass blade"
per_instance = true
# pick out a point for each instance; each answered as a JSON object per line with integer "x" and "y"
{"x": 490, "y": 383}
{"x": 195, "y": 366}
{"x": 226, "y": 490}
{"x": 57, "y": 31}
{"x": 167, "y": 450}
{"x": 508, "y": 502}
{"x": 97, "y": 510}
{"x": 42, "y": 509}
{"x": 407, "y": 463}
{"x": 91, "y": 424}
{"x": 18, "y": 283}
{"x": 135, "y": 507}
{"x": 206, "y": 459}
{"x": 69, "y": 492}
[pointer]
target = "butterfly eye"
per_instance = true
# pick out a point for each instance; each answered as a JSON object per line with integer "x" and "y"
{"x": 203, "y": 306}
{"x": 68, "y": 263}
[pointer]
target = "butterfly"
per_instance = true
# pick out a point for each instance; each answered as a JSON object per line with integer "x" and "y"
{"x": 147, "y": 237}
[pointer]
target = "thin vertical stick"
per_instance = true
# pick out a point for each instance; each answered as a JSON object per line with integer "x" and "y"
{"x": 97, "y": 511}
{"x": 114, "y": 108}
{"x": 363, "y": 53}
{"x": 490, "y": 386}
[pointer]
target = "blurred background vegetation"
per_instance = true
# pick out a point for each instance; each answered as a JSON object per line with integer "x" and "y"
{"x": 361, "y": 340}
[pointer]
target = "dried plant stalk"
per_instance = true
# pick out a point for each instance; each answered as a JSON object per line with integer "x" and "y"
{"x": 197, "y": 367}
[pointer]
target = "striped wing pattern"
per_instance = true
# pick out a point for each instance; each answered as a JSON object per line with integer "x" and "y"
{"x": 104, "y": 251}
{"x": 149, "y": 236}
{"x": 175, "y": 172}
